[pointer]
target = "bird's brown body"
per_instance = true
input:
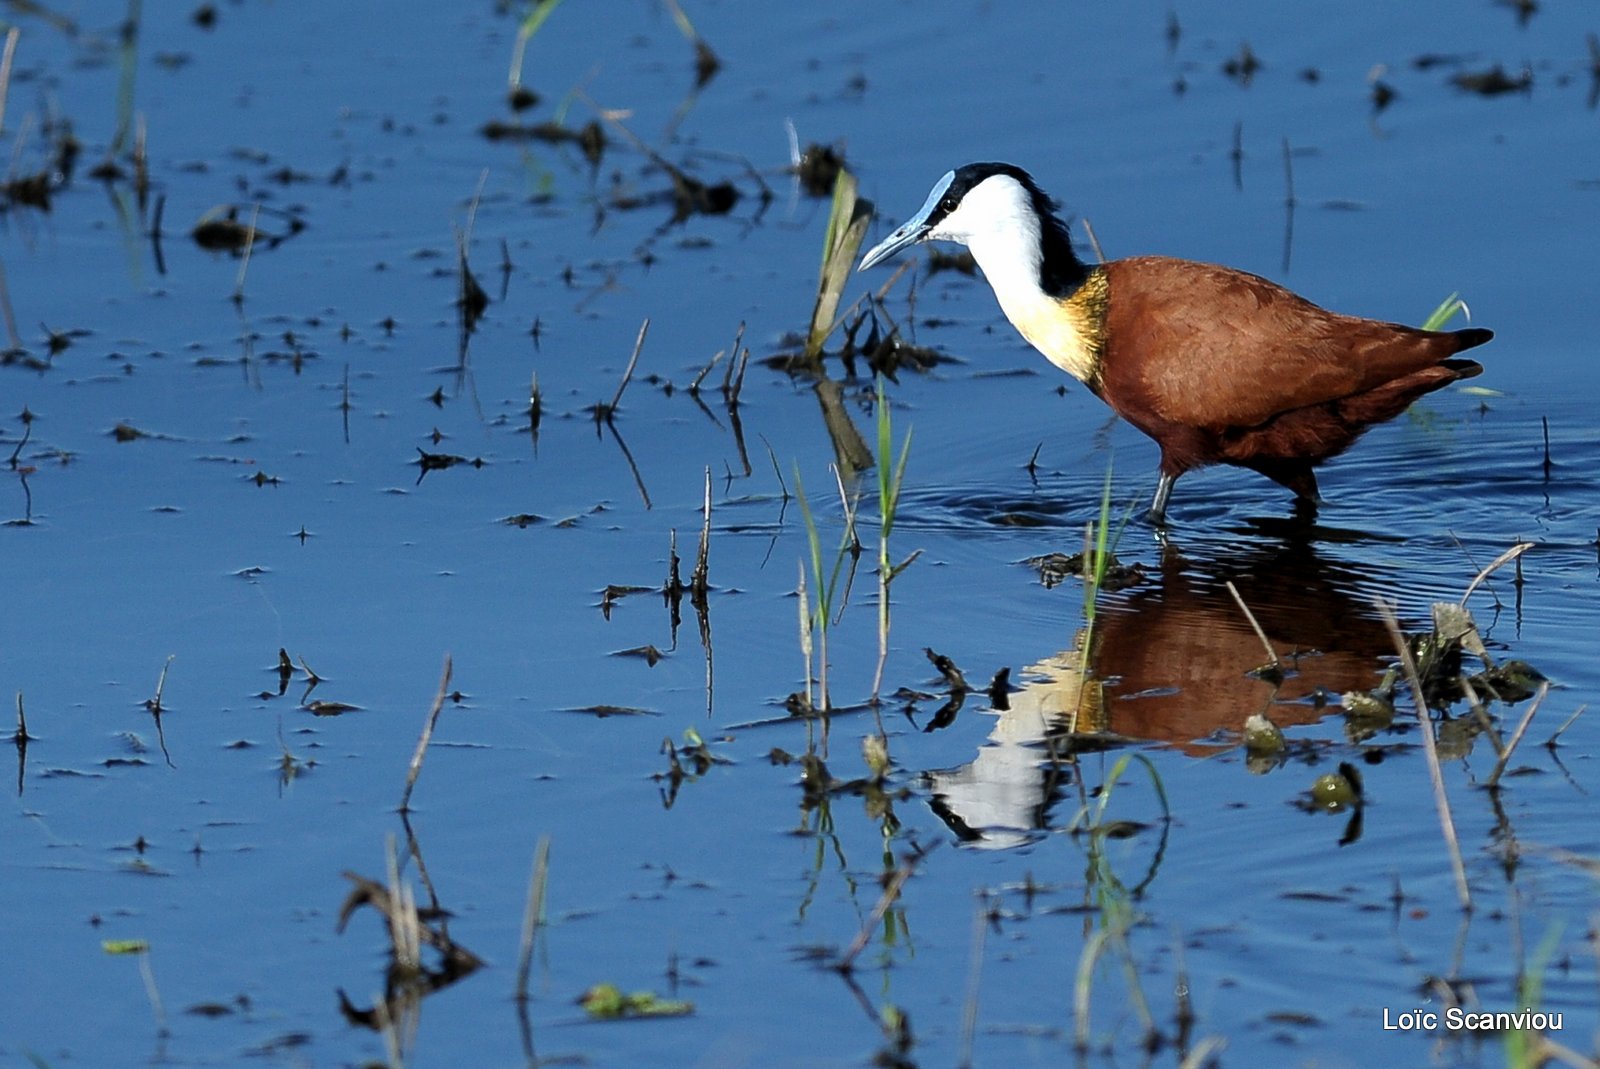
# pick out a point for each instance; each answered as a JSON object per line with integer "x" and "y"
{"x": 1221, "y": 366}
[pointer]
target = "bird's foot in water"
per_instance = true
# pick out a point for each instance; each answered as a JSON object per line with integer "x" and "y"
{"x": 1305, "y": 508}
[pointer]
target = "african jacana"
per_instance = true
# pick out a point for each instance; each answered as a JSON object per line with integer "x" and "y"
{"x": 1219, "y": 366}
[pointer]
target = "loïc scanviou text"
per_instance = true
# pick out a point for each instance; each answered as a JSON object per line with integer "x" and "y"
{"x": 1457, "y": 1019}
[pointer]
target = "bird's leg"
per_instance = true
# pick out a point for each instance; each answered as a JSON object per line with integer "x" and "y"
{"x": 1305, "y": 508}
{"x": 1158, "y": 507}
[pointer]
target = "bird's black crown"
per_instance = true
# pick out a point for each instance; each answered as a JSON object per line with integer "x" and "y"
{"x": 1060, "y": 270}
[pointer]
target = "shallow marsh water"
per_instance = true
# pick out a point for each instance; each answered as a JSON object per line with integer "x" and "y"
{"x": 247, "y": 518}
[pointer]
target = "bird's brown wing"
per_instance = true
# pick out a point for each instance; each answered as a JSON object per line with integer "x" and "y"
{"x": 1205, "y": 346}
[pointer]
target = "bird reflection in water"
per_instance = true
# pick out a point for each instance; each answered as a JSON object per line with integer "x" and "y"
{"x": 1172, "y": 664}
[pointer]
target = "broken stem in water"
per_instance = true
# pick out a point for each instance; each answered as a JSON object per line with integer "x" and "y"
{"x": 1430, "y": 748}
{"x": 427, "y": 736}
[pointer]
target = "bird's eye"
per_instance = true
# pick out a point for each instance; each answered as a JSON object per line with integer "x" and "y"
{"x": 947, "y": 205}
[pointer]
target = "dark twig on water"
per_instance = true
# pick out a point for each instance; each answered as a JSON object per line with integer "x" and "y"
{"x": 344, "y": 403}
{"x": 21, "y": 738}
{"x": 535, "y": 407}
{"x": 733, "y": 360}
{"x": 999, "y": 690}
{"x": 947, "y": 668}
{"x": 627, "y": 455}
{"x": 153, "y": 704}
{"x": 27, "y": 432}
{"x": 154, "y": 234}
{"x": 738, "y": 378}
{"x": 706, "y": 63}
{"x": 699, "y": 580}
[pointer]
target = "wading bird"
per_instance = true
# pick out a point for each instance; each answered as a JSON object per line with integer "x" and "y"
{"x": 1218, "y": 366}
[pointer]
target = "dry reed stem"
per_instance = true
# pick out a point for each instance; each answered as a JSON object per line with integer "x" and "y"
{"x": 147, "y": 973}
{"x": 694, "y": 387}
{"x": 10, "y": 316}
{"x": 532, "y": 914}
{"x": 1499, "y": 562}
{"x": 244, "y": 261}
{"x": 1516, "y": 736}
{"x": 1272, "y": 655}
{"x": 1551, "y": 741}
{"x": 969, "y": 1007}
{"x": 427, "y": 736}
{"x": 805, "y": 631}
{"x": 1094, "y": 241}
{"x": 1430, "y": 747}
{"x": 633, "y": 360}
{"x": 1550, "y": 1050}
{"x": 5, "y": 71}
{"x": 883, "y": 290}
{"x": 1202, "y": 1051}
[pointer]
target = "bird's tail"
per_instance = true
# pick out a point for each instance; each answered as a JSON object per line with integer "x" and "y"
{"x": 1471, "y": 337}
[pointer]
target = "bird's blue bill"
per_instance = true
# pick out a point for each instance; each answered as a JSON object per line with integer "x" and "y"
{"x": 912, "y": 230}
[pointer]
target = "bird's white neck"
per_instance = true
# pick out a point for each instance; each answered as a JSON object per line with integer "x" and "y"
{"x": 1058, "y": 327}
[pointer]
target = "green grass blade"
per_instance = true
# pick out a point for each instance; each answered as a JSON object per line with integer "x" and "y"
{"x": 1447, "y": 310}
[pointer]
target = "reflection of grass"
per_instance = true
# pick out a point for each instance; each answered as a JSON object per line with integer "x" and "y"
{"x": 817, "y": 622}
{"x": 706, "y": 62}
{"x": 140, "y": 949}
{"x": 128, "y": 63}
{"x": 891, "y": 475}
{"x": 1096, "y": 557}
{"x": 1113, "y": 898}
{"x": 533, "y": 916}
{"x": 1099, "y": 542}
{"x": 537, "y": 14}
{"x": 1527, "y": 1048}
